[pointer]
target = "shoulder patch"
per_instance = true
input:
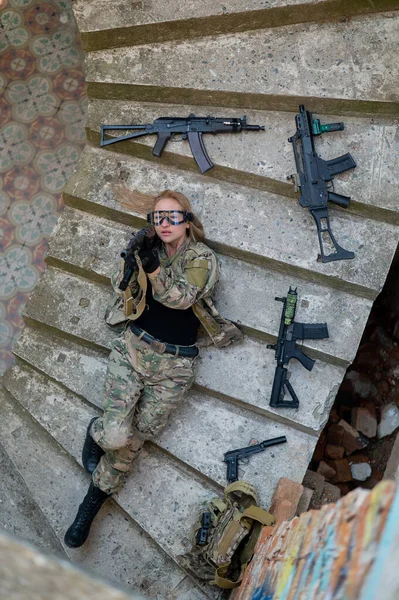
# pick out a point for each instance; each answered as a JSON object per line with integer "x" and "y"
{"x": 197, "y": 272}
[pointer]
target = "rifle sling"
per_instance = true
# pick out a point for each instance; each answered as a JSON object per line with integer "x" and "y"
{"x": 133, "y": 307}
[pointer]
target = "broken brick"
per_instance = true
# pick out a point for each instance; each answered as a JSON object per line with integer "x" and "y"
{"x": 325, "y": 470}
{"x": 320, "y": 447}
{"x": 285, "y": 499}
{"x": 334, "y": 452}
{"x": 335, "y": 434}
{"x": 305, "y": 500}
{"x": 331, "y": 493}
{"x": 364, "y": 422}
{"x": 314, "y": 481}
{"x": 352, "y": 440}
{"x": 343, "y": 471}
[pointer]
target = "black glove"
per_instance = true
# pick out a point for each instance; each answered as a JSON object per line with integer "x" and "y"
{"x": 148, "y": 254}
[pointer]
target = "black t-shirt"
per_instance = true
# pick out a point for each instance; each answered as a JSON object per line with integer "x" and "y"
{"x": 170, "y": 325}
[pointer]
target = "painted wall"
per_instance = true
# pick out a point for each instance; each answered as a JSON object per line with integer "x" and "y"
{"x": 344, "y": 551}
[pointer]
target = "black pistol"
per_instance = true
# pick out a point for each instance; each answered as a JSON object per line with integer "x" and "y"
{"x": 233, "y": 456}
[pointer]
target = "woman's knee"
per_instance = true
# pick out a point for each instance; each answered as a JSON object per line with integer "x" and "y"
{"x": 115, "y": 437}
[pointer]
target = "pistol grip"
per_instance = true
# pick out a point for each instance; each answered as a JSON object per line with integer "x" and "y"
{"x": 232, "y": 469}
{"x": 162, "y": 140}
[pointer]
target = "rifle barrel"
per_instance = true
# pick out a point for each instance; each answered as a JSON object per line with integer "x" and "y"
{"x": 254, "y": 127}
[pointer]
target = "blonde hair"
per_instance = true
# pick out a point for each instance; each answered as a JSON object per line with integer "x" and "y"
{"x": 144, "y": 203}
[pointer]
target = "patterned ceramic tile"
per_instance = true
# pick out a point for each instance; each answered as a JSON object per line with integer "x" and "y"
{"x": 42, "y": 116}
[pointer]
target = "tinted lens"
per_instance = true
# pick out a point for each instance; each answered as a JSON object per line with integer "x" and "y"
{"x": 173, "y": 217}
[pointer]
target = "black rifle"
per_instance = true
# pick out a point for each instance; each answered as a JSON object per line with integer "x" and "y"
{"x": 128, "y": 256}
{"x": 190, "y": 128}
{"x": 233, "y": 456}
{"x": 312, "y": 176}
{"x": 286, "y": 348}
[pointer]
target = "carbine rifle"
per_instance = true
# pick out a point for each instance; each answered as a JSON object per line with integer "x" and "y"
{"x": 313, "y": 174}
{"x": 190, "y": 128}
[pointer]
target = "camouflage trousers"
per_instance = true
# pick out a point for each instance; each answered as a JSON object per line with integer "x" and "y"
{"x": 142, "y": 387}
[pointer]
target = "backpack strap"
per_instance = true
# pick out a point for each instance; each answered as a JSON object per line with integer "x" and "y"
{"x": 258, "y": 514}
{"x": 253, "y": 518}
{"x": 245, "y": 489}
{"x": 259, "y": 518}
{"x": 226, "y": 584}
{"x": 132, "y": 307}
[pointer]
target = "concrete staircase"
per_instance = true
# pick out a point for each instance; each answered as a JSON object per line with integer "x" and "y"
{"x": 146, "y": 60}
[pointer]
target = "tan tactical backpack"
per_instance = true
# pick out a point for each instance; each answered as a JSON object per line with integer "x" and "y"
{"x": 225, "y": 535}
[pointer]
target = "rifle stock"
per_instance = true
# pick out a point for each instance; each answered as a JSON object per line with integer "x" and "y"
{"x": 322, "y": 219}
{"x": 280, "y": 384}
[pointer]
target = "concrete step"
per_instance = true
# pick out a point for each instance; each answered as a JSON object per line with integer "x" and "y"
{"x": 118, "y": 549}
{"x": 260, "y": 227}
{"x": 26, "y": 572}
{"x": 82, "y": 370}
{"x": 78, "y": 368}
{"x": 93, "y": 16}
{"x": 293, "y": 61}
{"x": 263, "y": 160}
{"x": 19, "y": 513}
{"x": 94, "y": 254}
{"x": 65, "y": 416}
{"x": 158, "y": 486}
{"x": 78, "y": 316}
{"x": 132, "y": 24}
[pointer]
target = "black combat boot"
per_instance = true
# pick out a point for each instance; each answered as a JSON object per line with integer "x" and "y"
{"x": 79, "y": 530}
{"x": 92, "y": 452}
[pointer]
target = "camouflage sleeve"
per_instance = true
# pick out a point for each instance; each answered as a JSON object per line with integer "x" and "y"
{"x": 180, "y": 286}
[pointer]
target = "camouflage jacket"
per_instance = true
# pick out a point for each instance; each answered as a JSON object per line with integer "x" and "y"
{"x": 185, "y": 279}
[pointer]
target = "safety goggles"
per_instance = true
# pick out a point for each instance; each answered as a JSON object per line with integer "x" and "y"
{"x": 173, "y": 217}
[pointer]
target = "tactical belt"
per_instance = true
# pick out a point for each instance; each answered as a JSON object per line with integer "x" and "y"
{"x": 158, "y": 346}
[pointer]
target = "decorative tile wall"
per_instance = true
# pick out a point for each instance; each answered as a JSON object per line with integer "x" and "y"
{"x": 42, "y": 118}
